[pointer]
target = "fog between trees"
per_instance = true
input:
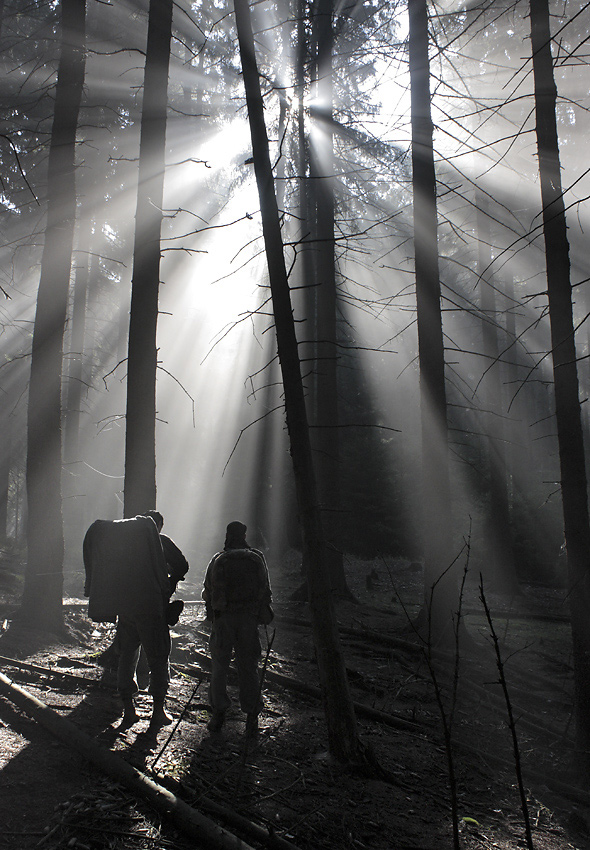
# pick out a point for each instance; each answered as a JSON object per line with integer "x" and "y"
{"x": 338, "y": 115}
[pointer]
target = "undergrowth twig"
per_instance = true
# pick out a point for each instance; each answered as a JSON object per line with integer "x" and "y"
{"x": 511, "y": 723}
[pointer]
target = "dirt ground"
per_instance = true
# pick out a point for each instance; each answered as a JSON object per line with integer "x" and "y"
{"x": 52, "y": 797}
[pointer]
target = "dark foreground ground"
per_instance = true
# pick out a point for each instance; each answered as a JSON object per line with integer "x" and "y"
{"x": 52, "y": 797}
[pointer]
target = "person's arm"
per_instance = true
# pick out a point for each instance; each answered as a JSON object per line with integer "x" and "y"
{"x": 176, "y": 563}
{"x": 150, "y": 539}
{"x": 86, "y": 547}
{"x": 265, "y": 590}
{"x": 265, "y": 613}
{"x": 206, "y": 594}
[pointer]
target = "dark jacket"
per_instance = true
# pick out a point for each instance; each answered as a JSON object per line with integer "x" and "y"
{"x": 125, "y": 569}
{"x": 176, "y": 563}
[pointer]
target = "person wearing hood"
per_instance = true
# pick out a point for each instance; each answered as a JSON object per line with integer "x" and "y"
{"x": 237, "y": 598}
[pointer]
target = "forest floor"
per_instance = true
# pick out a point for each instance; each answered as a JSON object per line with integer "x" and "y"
{"x": 52, "y": 797}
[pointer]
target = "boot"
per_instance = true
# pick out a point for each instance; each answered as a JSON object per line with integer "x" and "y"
{"x": 252, "y": 725}
{"x": 130, "y": 716}
{"x": 174, "y": 611}
{"x": 159, "y": 717}
{"x": 216, "y": 722}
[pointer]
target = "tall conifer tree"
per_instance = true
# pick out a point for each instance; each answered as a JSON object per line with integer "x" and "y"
{"x": 436, "y": 496}
{"x": 574, "y": 488}
{"x": 42, "y": 598}
{"x": 343, "y": 737}
{"x": 140, "y": 435}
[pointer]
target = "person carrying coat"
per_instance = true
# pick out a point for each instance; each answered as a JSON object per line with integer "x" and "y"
{"x": 127, "y": 582}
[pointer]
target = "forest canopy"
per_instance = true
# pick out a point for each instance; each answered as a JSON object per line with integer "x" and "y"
{"x": 339, "y": 111}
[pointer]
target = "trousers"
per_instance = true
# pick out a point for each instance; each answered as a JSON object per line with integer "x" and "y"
{"x": 154, "y": 635}
{"x": 235, "y": 632}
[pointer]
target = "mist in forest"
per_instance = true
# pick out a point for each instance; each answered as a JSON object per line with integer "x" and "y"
{"x": 221, "y": 442}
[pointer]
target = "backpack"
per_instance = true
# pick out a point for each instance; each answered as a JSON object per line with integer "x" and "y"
{"x": 238, "y": 581}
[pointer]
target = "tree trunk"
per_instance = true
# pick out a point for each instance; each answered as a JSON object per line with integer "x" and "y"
{"x": 263, "y": 457}
{"x": 317, "y": 213}
{"x": 565, "y": 376}
{"x": 84, "y": 271}
{"x": 42, "y": 597}
{"x": 74, "y": 470}
{"x": 326, "y": 439}
{"x": 498, "y": 539}
{"x": 140, "y": 435}
{"x": 440, "y": 593}
{"x": 4, "y": 469}
{"x": 343, "y": 738}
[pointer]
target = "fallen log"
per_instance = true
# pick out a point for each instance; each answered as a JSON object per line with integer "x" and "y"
{"x": 189, "y": 820}
{"x": 46, "y": 671}
{"x": 564, "y": 789}
{"x": 229, "y": 816}
{"x": 525, "y": 718}
{"x": 313, "y": 691}
{"x": 367, "y": 635}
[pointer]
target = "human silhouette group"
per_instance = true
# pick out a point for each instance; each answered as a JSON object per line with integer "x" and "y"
{"x": 132, "y": 570}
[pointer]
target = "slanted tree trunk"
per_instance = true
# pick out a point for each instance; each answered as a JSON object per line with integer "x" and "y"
{"x": 140, "y": 435}
{"x": 343, "y": 740}
{"x": 42, "y": 597}
{"x": 440, "y": 602}
{"x": 567, "y": 404}
{"x": 264, "y": 470}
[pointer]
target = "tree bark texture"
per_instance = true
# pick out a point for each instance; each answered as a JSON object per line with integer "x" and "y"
{"x": 306, "y": 209}
{"x": 343, "y": 738}
{"x": 567, "y": 403}
{"x": 307, "y": 212}
{"x": 326, "y": 438}
{"x": 42, "y": 597}
{"x": 140, "y": 435}
{"x": 500, "y": 554}
{"x": 85, "y": 267}
{"x": 435, "y": 464}
{"x": 75, "y": 479}
{"x": 4, "y": 468}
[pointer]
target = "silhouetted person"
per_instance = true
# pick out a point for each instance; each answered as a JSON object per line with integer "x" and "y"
{"x": 237, "y": 598}
{"x": 176, "y": 566}
{"x": 127, "y": 581}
